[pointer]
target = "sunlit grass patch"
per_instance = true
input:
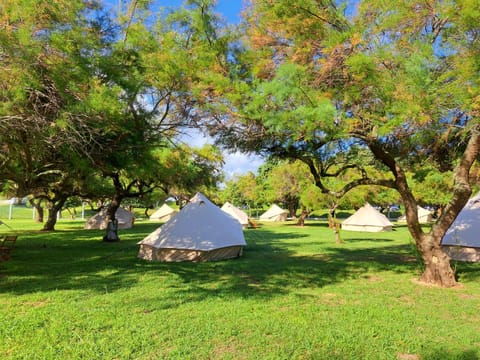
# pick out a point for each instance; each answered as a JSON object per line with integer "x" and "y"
{"x": 295, "y": 293}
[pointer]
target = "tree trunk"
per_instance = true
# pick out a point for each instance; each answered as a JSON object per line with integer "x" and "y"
{"x": 146, "y": 211}
{"x": 336, "y": 230}
{"x": 112, "y": 231}
{"x": 111, "y": 234}
{"x": 73, "y": 213}
{"x": 51, "y": 220}
{"x": 331, "y": 218}
{"x": 292, "y": 211}
{"x": 39, "y": 214}
{"x": 437, "y": 263}
{"x": 303, "y": 216}
{"x": 54, "y": 206}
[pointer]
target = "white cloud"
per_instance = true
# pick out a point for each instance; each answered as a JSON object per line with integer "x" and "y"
{"x": 235, "y": 163}
{"x": 238, "y": 163}
{"x": 194, "y": 138}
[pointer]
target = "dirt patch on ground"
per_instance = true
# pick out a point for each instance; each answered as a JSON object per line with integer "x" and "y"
{"x": 36, "y": 303}
{"x": 401, "y": 356}
{"x": 422, "y": 283}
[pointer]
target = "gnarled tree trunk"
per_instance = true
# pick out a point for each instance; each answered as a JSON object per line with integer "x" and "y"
{"x": 303, "y": 216}
{"x": 437, "y": 263}
{"x": 111, "y": 234}
{"x": 53, "y": 206}
{"x": 36, "y": 204}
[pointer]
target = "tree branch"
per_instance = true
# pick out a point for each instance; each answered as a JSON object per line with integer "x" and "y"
{"x": 462, "y": 188}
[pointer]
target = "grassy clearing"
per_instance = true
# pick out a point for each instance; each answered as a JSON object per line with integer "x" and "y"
{"x": 294, "y": 295}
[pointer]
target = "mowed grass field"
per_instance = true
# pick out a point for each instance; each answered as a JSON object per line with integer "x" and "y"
{"x": 295, "y": 294}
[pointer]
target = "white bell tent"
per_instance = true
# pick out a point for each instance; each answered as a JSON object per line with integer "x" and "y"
{"x": 424, "y": 216}
{"x": 164, "y": 214}
{"x": 462, "y": 240}
{"x": 201, "y": 231}
{"x": 275, "y": 213}
{"x": 368, "y": 219}
{"x": 238, "y": 214}
{"x": 100, "y": 220}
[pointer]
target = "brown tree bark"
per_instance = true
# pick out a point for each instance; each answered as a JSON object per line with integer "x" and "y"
{"x": 53, "y": 206}
{"x": 303, "y": 216}
{"x": 39, "y": 213}
{"x": 336, "y": 230}
{"x": 437, "y": 263}
{"x": 111, "y": 234}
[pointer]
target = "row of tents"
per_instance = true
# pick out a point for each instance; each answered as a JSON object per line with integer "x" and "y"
{"x": 165, "y": 213}
{"x": 274, "y": 213}
{"x": 364, "y": 218}
{"x": 203, "y": 231}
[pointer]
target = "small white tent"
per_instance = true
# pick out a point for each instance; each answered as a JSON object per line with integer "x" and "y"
{"x": 165, "y": 213}
{"x": 275, "y": 213}
{"x": 238, "y": 214}
{"x": 367, "y": 218}
{"x": 462, "y": 240}
{"x": 100, "y": 221}
{"x": 201, "y": 231}
{"x": 424, "y": 216}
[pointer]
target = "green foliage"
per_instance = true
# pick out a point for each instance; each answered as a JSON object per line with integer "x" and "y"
{"x": 88, "y": 95}
{"x": 182, "y": 171}
{"x": 243, "y": 190}
{"x": 432, "y": 187}
{"x": 287, "y": 103}
{"x": 313, "y": 199}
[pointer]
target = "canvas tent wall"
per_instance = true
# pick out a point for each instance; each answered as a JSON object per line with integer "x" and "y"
{"x": 424, "y": 216}
{"x": 100, "y": 221}
{"x": 238, "y": 214}
{"x": 275, "y": 213}
{"x": 165, "y": 213}
{"x": 462, "y": 240}
{"x": 201, "y": 231}
{"x": 368, "y": 219}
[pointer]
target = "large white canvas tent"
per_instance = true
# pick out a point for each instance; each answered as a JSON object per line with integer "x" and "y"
{"x": 275, "y": 213}
{"x": 100, "y": 220}
{"x": 424, "y": 216}
{"x": 462, "y": 239}
{"x": 201, "y": 231}
{"x": 238, "y": 214}
{"x": 165, "y": 213}
{"x": 367, "y": 218}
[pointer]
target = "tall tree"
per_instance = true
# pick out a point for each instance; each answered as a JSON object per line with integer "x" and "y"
{"x": 399, "y": 79}
{"x": 82, "y": 87}
{"x": 159, "y": 72}
{"x": 48, "y": 128}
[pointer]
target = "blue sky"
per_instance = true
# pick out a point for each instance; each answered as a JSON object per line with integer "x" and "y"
{"x": 235, "y": 163}
{"x": 230, "y": 9}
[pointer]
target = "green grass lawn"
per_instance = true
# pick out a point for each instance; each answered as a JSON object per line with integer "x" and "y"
{"x": 295, "y": 294}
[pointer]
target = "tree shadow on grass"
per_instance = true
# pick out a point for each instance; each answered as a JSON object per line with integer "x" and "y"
{"x": 72, "y": 259}
{"x": 369, "y": 240}
{"x": 273, "y": 264}
{"x": 466, "y": 271}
